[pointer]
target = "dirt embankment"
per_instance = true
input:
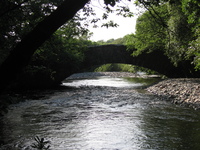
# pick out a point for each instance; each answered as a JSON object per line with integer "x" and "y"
{"x": 185, "y": 91}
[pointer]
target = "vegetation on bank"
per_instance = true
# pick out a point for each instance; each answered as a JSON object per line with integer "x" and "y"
{"x": 58, "y": 58}
{"x": 169, "y": 26}
{"x": 121, "y": 68}
{"x": 172, "y": 27}
{"x": 121, "y": 41}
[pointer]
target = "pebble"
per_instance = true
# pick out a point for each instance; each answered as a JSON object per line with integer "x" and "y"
{"x": 184, "y": 91}
{"x": 180, "y": 91}
{"x": 110, "y": 74}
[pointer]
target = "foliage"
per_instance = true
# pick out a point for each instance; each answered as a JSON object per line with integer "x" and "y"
{"x": 27, "y": 14}
{"x": 115, "y": 67}
{"x": 122, "y": 68}
{"x": 120, "y": 41}
{"x": 18, "y": 17}
{"x": 59, "y": 57}
{"x": 40, "y": 144}
{"x": 110, "y": 24}
{"x": 191, "y": 8}
{"x": 170, "y": 26}
{"x": 130, "y": 41}
{"x": 150, "y": 35}
{"x": 180, "y": 34}
{"x": 194, "y": 50}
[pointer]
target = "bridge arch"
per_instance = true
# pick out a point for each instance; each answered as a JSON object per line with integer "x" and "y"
{"x": 157, "y": 61}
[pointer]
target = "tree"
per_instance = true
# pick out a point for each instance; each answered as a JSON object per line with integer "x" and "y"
{"x": 150, "y": 33}
{"x": 57, "y": 58}
{"x": 180, "y": 34}
{"x": 191, "y": 8}
{"x": 19, "y": 17}
{"x": 52, "y": 20}
{"x": 48, "y": 21}
{"x": 173, "y": 27}
{"x": 21, "y": 54}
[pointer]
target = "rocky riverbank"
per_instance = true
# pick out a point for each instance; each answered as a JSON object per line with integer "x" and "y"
{"x": 184, "y": 91}
{"x": 110, "y": 74}
{"x": 98, "y": 74}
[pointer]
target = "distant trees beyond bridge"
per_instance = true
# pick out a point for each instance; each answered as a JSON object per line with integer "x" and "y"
{"x": 156, "y": 60}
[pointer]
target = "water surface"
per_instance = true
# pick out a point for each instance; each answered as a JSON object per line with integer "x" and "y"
{"x": 102, "y": 114}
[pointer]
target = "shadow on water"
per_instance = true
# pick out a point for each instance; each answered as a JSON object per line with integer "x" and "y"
{"x": 144, "y": 81}
{"x": 168, "y": 126}
{"x": 91, "y": 116}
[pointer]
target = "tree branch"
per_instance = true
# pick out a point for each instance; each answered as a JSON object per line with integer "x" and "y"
{"x": 13, "y": 8}
{"x": 22, "y": 53}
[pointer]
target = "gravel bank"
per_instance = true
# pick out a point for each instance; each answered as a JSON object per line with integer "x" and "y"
{"x": 184, "y": 91}
{"x": 98, "y": 74}
{"x": 110, "y": 74}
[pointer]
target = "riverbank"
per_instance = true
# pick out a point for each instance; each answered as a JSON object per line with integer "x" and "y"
{"x": 183, "y": 91}
{"x": 110, "y": 74}
{"x": 94, "y": 116}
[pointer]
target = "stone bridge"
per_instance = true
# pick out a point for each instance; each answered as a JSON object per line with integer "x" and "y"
{"x": 157, "y": 61}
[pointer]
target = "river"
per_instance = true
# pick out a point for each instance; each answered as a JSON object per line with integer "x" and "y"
{"x": 101, "y": 113}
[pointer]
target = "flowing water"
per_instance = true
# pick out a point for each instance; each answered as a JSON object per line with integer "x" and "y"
{"x": 101, "y": 114}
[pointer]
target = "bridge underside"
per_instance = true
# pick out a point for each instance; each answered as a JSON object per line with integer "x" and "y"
{"x": 157, "y": 61}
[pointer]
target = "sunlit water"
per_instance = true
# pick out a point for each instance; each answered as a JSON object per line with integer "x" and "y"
{"x": 102, "y": 114}
{"x": 102, "y": 81}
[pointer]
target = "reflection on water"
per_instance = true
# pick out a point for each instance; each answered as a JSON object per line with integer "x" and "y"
{"x": 143, "y": 81}
{"x": 102, "y": 81}
{"x": 112, "y": 82}
{"x": 102, "y": 117}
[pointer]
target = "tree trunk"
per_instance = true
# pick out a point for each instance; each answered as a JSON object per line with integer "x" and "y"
{"x": 21, "y": 54}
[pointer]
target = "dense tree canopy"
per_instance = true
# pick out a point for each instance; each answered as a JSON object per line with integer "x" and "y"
{"x": 150, "y": 34}
{"x": 25, "y": 25}
{"x": 170, "y": 26}
{"x": 32, "y": 23}
{"x": 46, "y": 24}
